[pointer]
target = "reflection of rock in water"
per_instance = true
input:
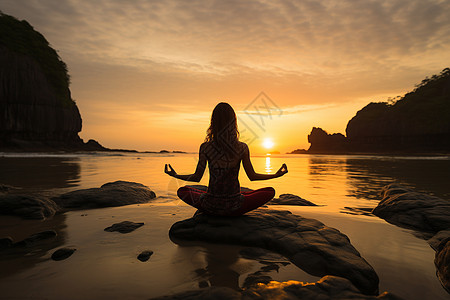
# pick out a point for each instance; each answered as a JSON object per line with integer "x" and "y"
{"x": 40, "y": 172}
{"x": 366, "y": 177}
{"x": 25, "y": 255}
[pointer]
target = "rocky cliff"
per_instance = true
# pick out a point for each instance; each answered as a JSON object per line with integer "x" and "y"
{"x": 418, "y": 122}
{"x": 36, "y": 108}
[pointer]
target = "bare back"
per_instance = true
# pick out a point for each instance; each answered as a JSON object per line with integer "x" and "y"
{"x": 223, "y": 168}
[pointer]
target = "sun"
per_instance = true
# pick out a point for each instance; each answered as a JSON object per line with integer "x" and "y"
{"x": 268, "y": 143}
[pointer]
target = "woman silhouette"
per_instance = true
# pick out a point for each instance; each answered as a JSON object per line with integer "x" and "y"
{"x": 223, "y": 152}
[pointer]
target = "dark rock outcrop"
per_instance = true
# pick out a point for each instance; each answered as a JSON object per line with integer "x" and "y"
{"x": 116, "y": 193}
{"x": 418, "y": 121}
{"x": 124, "y": 227}
{"x": 145, "y": 255}
{"x": 428, "y": 214}
{"x": 322, "y": 142}
{"x": 442, "y": 262}
{"x": 407, "y": 208}
{"x": 328, "y": 287}
{"x": 27, "y": 206}
{"x": 309, "y": 244}
{"x": 63, "y": 253}
{"x": 36, "y": 108}
{"x": 290, "y": 199}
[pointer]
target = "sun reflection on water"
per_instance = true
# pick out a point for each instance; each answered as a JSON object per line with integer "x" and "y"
{"x": 268, "y": 167}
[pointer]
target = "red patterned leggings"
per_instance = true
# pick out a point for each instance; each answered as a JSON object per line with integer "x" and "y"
{"x": 252, "y": 199}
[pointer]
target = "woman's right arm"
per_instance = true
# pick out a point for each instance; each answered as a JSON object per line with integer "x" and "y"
{"x": 250, "y": 171}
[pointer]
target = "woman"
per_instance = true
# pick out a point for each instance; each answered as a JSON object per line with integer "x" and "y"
{"x": 224, "y": 152}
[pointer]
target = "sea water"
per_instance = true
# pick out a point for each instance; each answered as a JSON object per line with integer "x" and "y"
{"x": 345, "y": 186}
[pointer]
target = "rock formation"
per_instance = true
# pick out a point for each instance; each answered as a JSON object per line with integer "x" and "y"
{"x": 35, "y": 102}
{"x": 428, "y": 214}
{"x": 309, "y": 244}
{"x": 110, "y": 194}
{"x": 418, "y": 122}
{"x": 321, "y": 141}
{"x": 37, "y": 111}
{"x": 407, "y": 208}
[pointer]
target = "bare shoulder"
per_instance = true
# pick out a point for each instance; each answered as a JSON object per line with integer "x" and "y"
{"x": 204, "y": 145}
{"x": 243, "y": 147}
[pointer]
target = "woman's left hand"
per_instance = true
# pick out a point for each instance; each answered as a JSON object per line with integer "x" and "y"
{"x": 169, "y": 170}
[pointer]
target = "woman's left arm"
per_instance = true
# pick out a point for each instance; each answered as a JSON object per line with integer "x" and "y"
{"x": 199, "y": 171}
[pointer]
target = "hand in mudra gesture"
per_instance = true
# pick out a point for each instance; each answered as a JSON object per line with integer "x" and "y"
{"x": 169, "y": 170}
{"x": 283, "y": 170}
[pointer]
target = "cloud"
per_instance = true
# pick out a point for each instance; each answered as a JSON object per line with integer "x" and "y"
{"x": 217, "y": 36}
{"x": 140, "y": 59}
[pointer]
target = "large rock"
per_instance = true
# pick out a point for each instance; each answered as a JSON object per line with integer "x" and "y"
{"x": 406, "y": 208}
{"x": 36, "y": 108}
{"x": 442, "y": 262}
{"x": 308, "y": 243}
{"x": 27, "y": 206}
{"x": 328, "y": 287}
{"x": 322, "y": 142}
{"x": 116, "y": 193}
{"x": 417, "y": 122}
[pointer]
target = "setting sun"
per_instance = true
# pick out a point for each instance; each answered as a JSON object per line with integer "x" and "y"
{"x": 268, "y": 143}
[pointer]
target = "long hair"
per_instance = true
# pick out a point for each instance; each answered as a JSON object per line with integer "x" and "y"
{"x": 223, "y": 131}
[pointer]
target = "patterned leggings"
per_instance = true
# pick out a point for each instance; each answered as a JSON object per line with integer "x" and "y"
{"x": 251, "y": 200}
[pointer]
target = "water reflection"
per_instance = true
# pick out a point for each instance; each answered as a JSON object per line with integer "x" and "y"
{"x": 268, "y": 167}
{"x": 215, "y": 265}
{"x": 38, "y": 173}
{"x": 366, "y": 176}
{"x": 17, "y": 259}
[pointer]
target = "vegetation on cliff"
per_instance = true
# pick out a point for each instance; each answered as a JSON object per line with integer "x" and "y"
{"x": 36, "y": 109}
{"x": 20, "y": 37}
{"x": 417, "y": 122}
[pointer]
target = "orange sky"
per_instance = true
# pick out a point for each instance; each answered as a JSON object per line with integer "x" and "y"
{"x": 146, "y": 75}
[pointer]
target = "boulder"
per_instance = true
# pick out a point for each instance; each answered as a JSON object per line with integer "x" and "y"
{"x": 308, "y": 243}
{"x": 290, "y": 199}
{"x": 441, "y": 237}
{"x": 404, "y": 207}
{"x": 27, "y": 206}
{"x": 124, "y": 227}
{"x": 63, "y": 253}
{"x": 328, "y": 287}
{"x": 116, "y": 193}
{"x": 442, "y": 262}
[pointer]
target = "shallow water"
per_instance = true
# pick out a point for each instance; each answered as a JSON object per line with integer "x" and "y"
{"x": 105, "y": 264}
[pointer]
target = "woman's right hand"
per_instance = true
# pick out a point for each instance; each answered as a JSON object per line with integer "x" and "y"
{"x": 283, "y": 170}
{"x": 169, "y": 170}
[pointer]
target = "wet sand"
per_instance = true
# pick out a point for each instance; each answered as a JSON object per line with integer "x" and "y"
{"x": 105, "y": 264}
